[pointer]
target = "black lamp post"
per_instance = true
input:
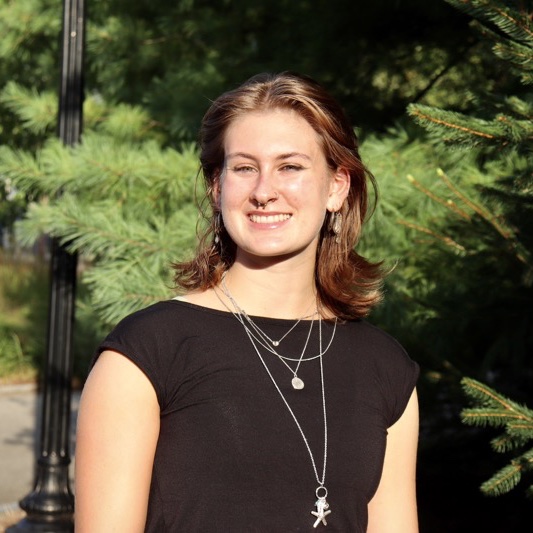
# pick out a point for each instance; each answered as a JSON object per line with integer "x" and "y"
{"x": 50, "y": 506}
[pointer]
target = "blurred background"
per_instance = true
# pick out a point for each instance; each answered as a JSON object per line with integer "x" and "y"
{"x": 441, "y": 100}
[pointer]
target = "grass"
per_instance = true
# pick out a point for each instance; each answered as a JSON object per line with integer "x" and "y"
{"x": 15, "y": 366}
{"x": 24, "y": 291}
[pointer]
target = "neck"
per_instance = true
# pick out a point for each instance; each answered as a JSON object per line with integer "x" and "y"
{"x": 277, "y": 291}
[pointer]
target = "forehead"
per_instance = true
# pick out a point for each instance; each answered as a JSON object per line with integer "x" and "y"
{"x": 270, "y": 132}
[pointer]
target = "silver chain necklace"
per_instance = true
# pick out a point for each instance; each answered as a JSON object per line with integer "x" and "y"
{"x": 240, "y": 315}
{"x": 296, "y": 382}
{"x": 266, "y": 338}
{"x": 302, "y": 359}
{"x": 321, "y": 492}
{"x": 259, "y": 335}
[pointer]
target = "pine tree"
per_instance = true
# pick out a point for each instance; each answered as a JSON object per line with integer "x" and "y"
{"x": 126, "y": 204}
{"x": 497, "y": 237}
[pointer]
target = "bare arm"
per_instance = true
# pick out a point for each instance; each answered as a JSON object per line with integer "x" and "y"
{"x": 118, "y": 427}
{"x": 393, "y": 508}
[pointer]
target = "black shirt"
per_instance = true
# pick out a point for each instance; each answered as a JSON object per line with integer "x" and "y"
{"x": 230, "y": 457}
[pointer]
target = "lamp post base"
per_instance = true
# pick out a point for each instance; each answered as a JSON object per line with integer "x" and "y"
{"x": 26, "y": 525}
{"x": 50, "y": 506}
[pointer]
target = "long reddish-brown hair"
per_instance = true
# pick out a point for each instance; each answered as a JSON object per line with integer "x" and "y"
{"x": 347, "y": 284}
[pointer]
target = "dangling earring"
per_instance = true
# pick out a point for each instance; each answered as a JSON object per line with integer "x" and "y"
{"x": 217, "y": 228}
{"x": 335, "y": 225}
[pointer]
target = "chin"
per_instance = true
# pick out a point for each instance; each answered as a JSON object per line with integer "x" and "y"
{"x": 274, "y": 253}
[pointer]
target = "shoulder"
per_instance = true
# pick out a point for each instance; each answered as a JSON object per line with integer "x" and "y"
{"x": 164, "y": 311}
{"x": 387, "y": 350}
{"x": 372, "y": 339}
{"x": 165, "y": 317}
{"x": 384, "y": 362}
{"x": 162, "y": 328}
{"x": 152, "y": 338}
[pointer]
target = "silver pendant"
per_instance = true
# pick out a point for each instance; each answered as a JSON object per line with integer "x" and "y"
{"x": 297, "y": 383}
{"x": 321, "y": 512}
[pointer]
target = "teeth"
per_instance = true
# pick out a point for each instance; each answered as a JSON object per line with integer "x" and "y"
{"x": 264, "y": 219}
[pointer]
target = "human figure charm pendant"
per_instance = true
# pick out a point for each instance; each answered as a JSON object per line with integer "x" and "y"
{"x": 297, "y": 383}
{"x": 321, "y": 512}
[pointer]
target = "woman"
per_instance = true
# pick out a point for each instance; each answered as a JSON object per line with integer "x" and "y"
{"x": 259, "y": 399}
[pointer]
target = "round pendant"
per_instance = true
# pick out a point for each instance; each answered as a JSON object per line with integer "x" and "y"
{"x": 275, "y": 343}
{"x": 297, "y": 383}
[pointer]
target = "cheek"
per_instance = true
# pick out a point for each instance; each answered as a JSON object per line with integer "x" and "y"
{"x": 233, "y": 194}
{"x": 308, "y": 192}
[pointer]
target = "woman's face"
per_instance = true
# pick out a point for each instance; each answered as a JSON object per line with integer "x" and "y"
{"x": 276, "y": 186}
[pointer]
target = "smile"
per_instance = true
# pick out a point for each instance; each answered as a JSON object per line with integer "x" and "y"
{"x": 269, "y": 219}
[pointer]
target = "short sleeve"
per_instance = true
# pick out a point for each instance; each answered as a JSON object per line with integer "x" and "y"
{"x": 394, "y": 373}
{"x": 140, "y": 338}
{"x": 402, "y": 383}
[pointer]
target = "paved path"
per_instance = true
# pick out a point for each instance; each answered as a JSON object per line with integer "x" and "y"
{"x": 20, "y": 413}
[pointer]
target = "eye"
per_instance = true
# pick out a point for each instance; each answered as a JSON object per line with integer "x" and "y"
{"x": 243, "y": 169}
{"x": 291, "y": 168}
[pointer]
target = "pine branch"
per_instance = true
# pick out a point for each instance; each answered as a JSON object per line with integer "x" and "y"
{"x": 121, "y": 287}
{"x": 19, "y": 24}
{"x": 503, "y": 230}
{"x": 447, "y": 203}
{"x": 526, "y": 78}
{"x": 503, "y": 481}
{"x": 464, "y": 131}
{"x": 102, "y": 230}
{"x": 521, "y": 56}
{"x": 509, "y": 476}
{"x": 488, "y": 417}
{"x": 497, "y": 411}
{"x": 37, "y": 111}
{"x": 489, "y": 217}
{"x": 131, "y": 173}
{"x": 488, "y": 397}
{"x": 126, "y": 122}
{"x": 442, "y": 238}
{"x": 515, "y": 24}
{"x": 519, "y": 107}
{"x": 22, "y": 169}
{"x": 505, "y": 443}
{"x": 515, "y": 44}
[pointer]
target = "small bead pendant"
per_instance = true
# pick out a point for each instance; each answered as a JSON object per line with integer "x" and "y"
{"x": 275, "y": 343}
{"x": 297, "y": 383}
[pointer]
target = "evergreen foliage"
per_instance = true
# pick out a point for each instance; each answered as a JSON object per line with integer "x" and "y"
{"x": 492, "y": 238}
{"x": 125, "y": 205}
{"x": 173, "y": 57}
{"x": 493, "y": 409}
{"x": 460, "y": 129}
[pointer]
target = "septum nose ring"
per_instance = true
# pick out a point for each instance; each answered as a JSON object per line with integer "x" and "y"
{"x": 264, "y": 204}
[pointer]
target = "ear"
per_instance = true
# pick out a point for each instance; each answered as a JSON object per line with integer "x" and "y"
{"x": 215, "y": 190}
{"x": 338, "y": 188}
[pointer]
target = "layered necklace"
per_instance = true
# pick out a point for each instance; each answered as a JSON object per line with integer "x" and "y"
{"x": 256, "y": 333}
{"x": 258, "y": 337}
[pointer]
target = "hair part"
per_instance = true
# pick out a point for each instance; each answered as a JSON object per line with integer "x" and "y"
{"x": 347, "y": 284}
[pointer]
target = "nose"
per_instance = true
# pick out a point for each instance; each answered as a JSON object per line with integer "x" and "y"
{"x": 264, "y": 190}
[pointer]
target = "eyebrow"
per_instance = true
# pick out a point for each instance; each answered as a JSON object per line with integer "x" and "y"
{"x": 288, "y": 155}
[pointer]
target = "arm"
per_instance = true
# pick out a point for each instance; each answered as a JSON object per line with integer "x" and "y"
{"x": 393, "y": 507}
{"x": 117, "y": 432}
